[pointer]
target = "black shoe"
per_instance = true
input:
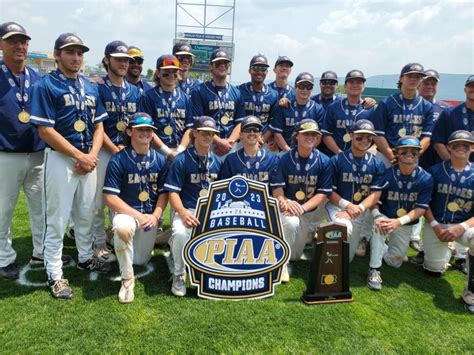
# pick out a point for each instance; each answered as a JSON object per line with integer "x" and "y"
{"x": 461, "y": 265}
{"x": 60, "y": 289}
{"x": 94, "y": 265}
{"x": 433, "y": 273}
{"x": 419, "y": 258}
{"x": 9, "y": 272}
{"x": 36, "y": 262}
{"x": 415, "y": 245}
{"x": 71, "y": 235}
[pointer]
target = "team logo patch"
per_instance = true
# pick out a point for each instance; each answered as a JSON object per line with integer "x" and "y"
{"x": 238, "y": 249}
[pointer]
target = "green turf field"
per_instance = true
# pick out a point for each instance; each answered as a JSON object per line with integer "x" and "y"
{"x": 413, "y": 313}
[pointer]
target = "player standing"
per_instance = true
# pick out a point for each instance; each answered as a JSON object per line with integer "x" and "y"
{"x": 133, "y": 189}
{"x": 184, "y": 53}
{"x": 69, "y": 114}
{"x": 328, "y": 85}
{"x": 189, "y": 177}
{"x": 135, "y": 69}
{"x": 404, "y": 200}
{"x": 282, "y": 71}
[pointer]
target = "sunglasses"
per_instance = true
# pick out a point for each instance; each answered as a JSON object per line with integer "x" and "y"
{"x": 168, "y": 74}
{"x": 361, "y": 138}
{"x": 182, "y": 57}
{"x": 464, "y": 145}
{"x": 328, "y": 82}
{"x": 221, "y": 62}
{"x": 409, "y": 152}
{"x": 251, "y": 130}
{"x": 138, "y": 61}
{"x": 259, "y": 69}
{"x": 305, "y": 86}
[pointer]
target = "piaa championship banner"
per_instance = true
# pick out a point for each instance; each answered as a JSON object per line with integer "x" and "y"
{"x": 238, "y": 250}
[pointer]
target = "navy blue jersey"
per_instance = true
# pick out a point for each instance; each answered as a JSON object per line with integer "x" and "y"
{"x": 224, "y": 104}
{"x": 453, "y": 193}
{"x": 171, "y": 113}
{"x": 120, "y": 104}
{"x": 287, "y": 92}
{"x": 142, "y": 85}
{"x": 326, "y": 102}
{"x": 354, "y": 178}
{"x": 397, "y": 116}
{"x": 60, "y": 102}
{"x": 263, "y": 167}
{"x": 190, "y": 173}
{"x": 338, "y": 119}
{"x": 15, "y": 97}
{"x": 453, "y": 119}
{"x": 188, "y": 85}
{"x": 310, "y": 175}
{"x": 404, "y": 193}
{"x": 260, "y": 104}
{"x": 130, "y": 174}
{"x": 285, "y": 118}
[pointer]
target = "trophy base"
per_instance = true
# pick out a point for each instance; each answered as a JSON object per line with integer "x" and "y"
{"x": 325, "y": 298}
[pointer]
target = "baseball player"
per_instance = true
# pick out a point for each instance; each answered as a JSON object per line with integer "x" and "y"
{"x": 135, "y": 69}
{"x": 120, "y": 99}
{"x": 259, "y": 99}
{"x": 169, "y": 107}
{"x": 285, "y": 118}
{"x": 133, "y": 189}
{"x": 21, "y": 149}
{"x": 451, "y": 214}
{"x": 358, "y": 180}
{"x": 282, "y": 70}
{"x": 404, "y": 200}
{"x": 328, "y": 85}
{"x": 306, "y": 174}
{"x": 68, "y": 112}
{"x": 220, "y": 100}
{"x": 189, "y": 177}
{"x": 184, "y": 53}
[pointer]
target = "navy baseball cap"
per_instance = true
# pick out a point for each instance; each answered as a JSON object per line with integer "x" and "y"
{"x": 461, "y": 136}
{"x": 283, "y": 59}
{"x": 329, "y": 75}
{"x": 363, "y": 126}
{"x": 413, "y": 68}
{"x": 470, "y": 80}
{"x": 259, "y": 59}
{"x": 251, "y": 121}
{"x": 408, "y": 142}
{"x": 431, "y": 73}
{"x": 69, "y": 39}
{"x": 167, "y": 61}
{"x": 219, "y": 54}
{"x": 205, "y": 123}
{"x": 182, "y": 48}
{"x": 304, "y": 76}
{"x": 135, "y": 52}
{"x": 141, "y": 119}
{"x": 355, "y": 74}
{"x": 9, "y": 29}
{"x": 117, "y": 49}
{"x": 307, "y": 125}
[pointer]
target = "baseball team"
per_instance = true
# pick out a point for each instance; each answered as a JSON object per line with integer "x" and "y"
{"x": 392, "y": 172}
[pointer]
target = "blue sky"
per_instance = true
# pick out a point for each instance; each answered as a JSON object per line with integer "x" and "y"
{"x": 378, "y": 37}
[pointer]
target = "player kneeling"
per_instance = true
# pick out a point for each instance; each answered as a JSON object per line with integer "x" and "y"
{"x": 451, "y": 214}
{"x": 404, "y": 200}
{"x": 133, "y": 190}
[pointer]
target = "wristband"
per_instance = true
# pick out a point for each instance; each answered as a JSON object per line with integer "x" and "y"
{"x": 434, "y": 223}
{"x": 181, "y": 148}
{"x": 343, "y": 203}
{"x": 465, "y": 225}
{"x": 404, "y": 220}
{"x": 165, "y": 150}
{"x": 362, "y": 207}
{"x": 376, "y": 213}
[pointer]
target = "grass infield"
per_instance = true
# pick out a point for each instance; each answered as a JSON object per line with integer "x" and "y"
{"x": 413, "y": 313}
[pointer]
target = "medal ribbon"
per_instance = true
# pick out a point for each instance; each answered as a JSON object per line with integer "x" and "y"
{"x": 223, "y": 97}
{"x": 454, "y": 176}
{"x": 170, "y": 105}
{"x": 22, "y": 86}
{"x": 407, "y": 114}
{"x": 358, "y": 169}
{"x": 403, "y": 202}
{"x": 142, "y": 168}
{"x": 303, "y": 186}
{"x": 119, "y": 100}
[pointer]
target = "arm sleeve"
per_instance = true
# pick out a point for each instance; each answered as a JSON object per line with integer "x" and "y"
{"x": 378, "y": 118}
{"x": 113, "y": 177}
{"x": 175, "y": 178}
{"x": 197, "y": 102}
{"x": 42, "y": 105}
{"x": 426, "y": 191}
{"x": 325, "y": 181}
{"x": 427, "y": 120}
{"x": 276, "y": 123}
{"x": 378, "y": 180}
{"x": 440, "y": 128}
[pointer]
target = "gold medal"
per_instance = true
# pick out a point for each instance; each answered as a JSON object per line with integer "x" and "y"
{"x": 24, "y": 117}
{"x": 401, "y": 212}
{"x": 346, "y": 138}
{"x": 121, "y": 126}
{"x": 143, "y": 196}
{"x": 203, "y": 193}
{"x": 79, "y": 126}
{"x": 225, "y": 119}
{"x": 357, "y": 196}
{"x": 300, "y": 195}
{"x": 168, "y": 130}
{"x": 402, "y": 132}
{"x": 453, "y": 207}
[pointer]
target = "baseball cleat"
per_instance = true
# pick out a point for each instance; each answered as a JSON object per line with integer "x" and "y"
{"x": 285, "y": 274}
{"x": 374, "y": 280}
{"x": 60, "y": 289}
{"x": 361, "y": 250}
{"x": 461, "y": 265}
{"x": 70, "y": 234}
{"x": 104, "y": 253}
{"x": 179, "y": 286}
{"x": 36, "y": 262}
{"x": 9, "y": 272}
{"x": 93, "y": 264}
{"x": 415, "y": 245}
{"x": 419, "y": 258}
{"x": 126, "y": 293}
